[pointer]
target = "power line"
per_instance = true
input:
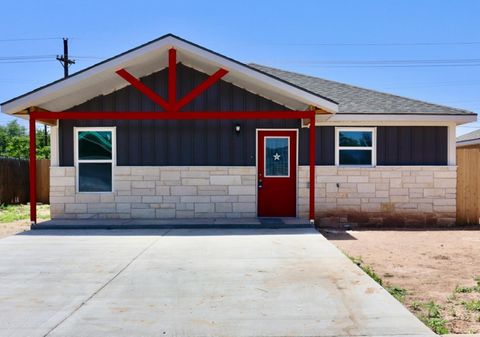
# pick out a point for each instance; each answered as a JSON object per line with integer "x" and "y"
{"x": 376, "y": 44}
{"x": 30, "y": 39}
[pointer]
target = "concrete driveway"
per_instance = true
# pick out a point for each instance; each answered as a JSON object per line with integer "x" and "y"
{"x": 190, "y": 283}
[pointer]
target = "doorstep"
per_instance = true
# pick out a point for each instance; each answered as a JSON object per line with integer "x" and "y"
{"x": 273, "y": 223}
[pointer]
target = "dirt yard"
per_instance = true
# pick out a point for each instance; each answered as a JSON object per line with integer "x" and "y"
{"x": 15, "y": 218}
{"x": 439, "y": 270}
{"x": 11, "y": 228}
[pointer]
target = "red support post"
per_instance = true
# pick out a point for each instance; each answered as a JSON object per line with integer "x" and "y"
{"x": 201, "y": 88}
{"x": 172, "y": 77}
{"x": 33, "y": 171}
{"x": 312, "y": 170}
{"x": 143, "y": 88}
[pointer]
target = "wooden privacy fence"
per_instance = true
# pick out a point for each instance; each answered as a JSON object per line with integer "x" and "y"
{"x": 14, "y": 181}
{"x": 468, "y": 185}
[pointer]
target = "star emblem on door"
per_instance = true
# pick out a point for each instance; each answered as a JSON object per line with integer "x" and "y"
{"x": 276, "y": 156}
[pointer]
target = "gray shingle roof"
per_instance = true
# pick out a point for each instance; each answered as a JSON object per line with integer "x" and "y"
{"x": 356, "y": 100}
{"x": 469, "y": 136}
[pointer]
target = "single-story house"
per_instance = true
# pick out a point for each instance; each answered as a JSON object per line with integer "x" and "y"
{"x": 171, "y": 129}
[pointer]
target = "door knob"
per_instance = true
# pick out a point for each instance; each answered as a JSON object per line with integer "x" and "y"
{"x": 260, "y": 183}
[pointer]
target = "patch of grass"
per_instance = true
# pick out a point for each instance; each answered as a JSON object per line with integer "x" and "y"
{"x": 397, "y": 292}
{"x": 473, "y": 305}
{"x": 433, "y": 318}
{"x": 366, "y": 268}
{"x": 428, "y": 313}
{"x": 416, "y": 305}
{"x": 475, "y": 288}
{"x": 437, "y": 325}
{"x": 10, "y": 213}
{"x": 464, "y": 290}
{"x": 370, "y": 272}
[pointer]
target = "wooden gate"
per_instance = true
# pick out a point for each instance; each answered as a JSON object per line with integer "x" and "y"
{"x": 14, "y": 181}
{"x": 468, "y": 185}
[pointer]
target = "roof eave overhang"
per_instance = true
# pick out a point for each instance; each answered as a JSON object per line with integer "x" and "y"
{"x": 372, "y": 118}
{"x": 103, "y": 75}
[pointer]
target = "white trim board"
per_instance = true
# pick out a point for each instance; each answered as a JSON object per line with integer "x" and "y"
{"x": 113, "y": 130}
{"x": 372, "y": 148}
{"x": 394, "y": 119}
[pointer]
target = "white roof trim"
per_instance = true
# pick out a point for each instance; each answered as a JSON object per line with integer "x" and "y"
{"x": 152, "y": 57}
{"x": 358, "y": 118}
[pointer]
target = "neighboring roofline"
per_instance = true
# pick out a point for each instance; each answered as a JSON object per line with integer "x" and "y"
{"x": 468, "y": 142}
{"x": 179, "y": 39}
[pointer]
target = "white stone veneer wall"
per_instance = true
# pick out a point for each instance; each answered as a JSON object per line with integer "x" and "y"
{"x": 384, "y": 195}
{"x": 159, "y": 192}
{"x": 388, "y": 195}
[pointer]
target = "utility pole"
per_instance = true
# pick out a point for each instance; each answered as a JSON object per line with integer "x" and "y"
{"x": 64, "y": 60}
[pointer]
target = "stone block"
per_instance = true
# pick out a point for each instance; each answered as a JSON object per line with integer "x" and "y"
{"x": 445, "y": 183}
{"x": 144, "y": 170}
{"x": 223, "y": 207}
{"x": 124, "y": 207}
{"x": 162, "y": 190}
{"x": 152, "y": 199}
{"x": 165, "y": 213}
{"x": 204, "y": 208}
{"x": 243, "y": 207}
{"x": 143, "y": 191}
{"x": 142, "y": 184}
{"x": 122, "y": 171}
{"x": 75, "y": 208}
{"x": 56, "y": 171}
{"x": 226, "y": 180}
{"x": 194, "y": 181}
{"x": 183, "y": 190}
{"x": 62, "y": 200}
{"x": 147, "y": 213}
{"x": 62, "y": 181}
{"x": 169, "y": 175}
{"x": 434, "y": 192}
{"x": 241, "y": 190}
{"x": 195, "y": 199}
{"x": 357, "y": 179}
{"x": 365, "y": 187}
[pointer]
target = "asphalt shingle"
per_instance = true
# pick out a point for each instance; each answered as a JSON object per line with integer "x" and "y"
{"x": 469, "y": 136}
{"x": 356, "y": 100}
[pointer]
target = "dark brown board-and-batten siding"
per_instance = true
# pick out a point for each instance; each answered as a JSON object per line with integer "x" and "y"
{"x": 141, "y": 143}
{"x": 215, "y": 143}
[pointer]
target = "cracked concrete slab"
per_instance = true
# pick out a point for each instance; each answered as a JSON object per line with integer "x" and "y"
{"x": 197, "y": 282}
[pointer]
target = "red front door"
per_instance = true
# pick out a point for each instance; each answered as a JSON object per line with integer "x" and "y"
{"x": 277, "y": 173}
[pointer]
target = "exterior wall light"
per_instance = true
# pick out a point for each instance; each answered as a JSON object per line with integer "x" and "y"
{"x": 237, "y": 128}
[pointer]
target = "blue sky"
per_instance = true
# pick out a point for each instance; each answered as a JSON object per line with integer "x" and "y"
{"x": 303, "y": 36}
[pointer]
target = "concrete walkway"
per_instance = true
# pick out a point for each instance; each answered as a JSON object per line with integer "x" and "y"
{"x": 190, "y": 282}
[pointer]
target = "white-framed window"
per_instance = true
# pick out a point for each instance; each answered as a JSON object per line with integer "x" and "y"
{"x": 95, "y": 158}
{"x": 355, "y": 146}
{"x": 277, "y": 157}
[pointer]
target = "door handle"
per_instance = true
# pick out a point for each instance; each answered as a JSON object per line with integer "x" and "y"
{"x": 260, "y": 183}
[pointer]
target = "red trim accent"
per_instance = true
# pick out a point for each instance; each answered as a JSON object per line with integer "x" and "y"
{"x": 33, "y": 171}
{"x": 172, "y": 115}
{"x": 172, "y": 77}
{"x": 312, "y": 169}
{"x": 201, "y": 88}
{"x": 143, "y": 88}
